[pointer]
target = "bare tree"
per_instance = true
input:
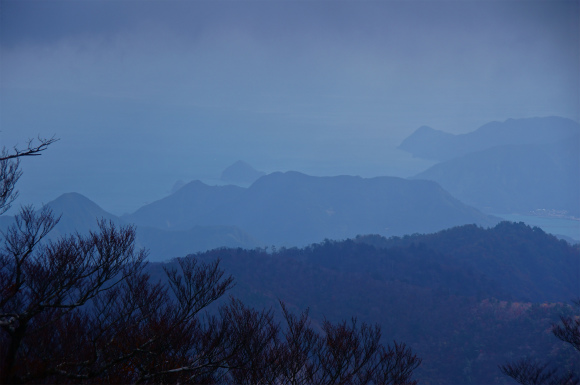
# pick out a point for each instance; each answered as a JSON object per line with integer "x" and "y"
{"x": 569, "y": 329}
{"x": 300, "y": 350}
{"x": 81, "y": 309}
{"x": 354, "y": 355}
{"x": 42, "y": 282}
{"x": 10, "y": 169}
{"x": 528, "y": 372}
{"x": 344, "y": 353}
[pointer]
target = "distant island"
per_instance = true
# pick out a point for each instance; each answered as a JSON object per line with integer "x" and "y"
{"x": 241, "y": 172}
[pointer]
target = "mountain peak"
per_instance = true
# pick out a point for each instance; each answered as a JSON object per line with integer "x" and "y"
{"x": 77, "y": 214}
{"x": 420, "y": 142}
{"x": 73, "y": 198}
{"x": 241, "y": 172}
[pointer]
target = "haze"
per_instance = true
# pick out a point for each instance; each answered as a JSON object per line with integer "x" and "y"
{"x": 143, "y": 94}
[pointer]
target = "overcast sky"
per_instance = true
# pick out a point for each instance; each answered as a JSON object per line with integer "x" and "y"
{"x": 143, "y": 93}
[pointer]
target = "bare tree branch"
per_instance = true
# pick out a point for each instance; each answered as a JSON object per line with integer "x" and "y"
{"x": 31, "y": 149}
{"x": 10, "y": 169}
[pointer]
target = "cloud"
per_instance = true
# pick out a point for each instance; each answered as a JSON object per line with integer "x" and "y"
{"x": 324, "y": 83}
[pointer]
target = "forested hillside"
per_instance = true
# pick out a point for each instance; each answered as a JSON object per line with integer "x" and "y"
{"x": 466, "y": 299}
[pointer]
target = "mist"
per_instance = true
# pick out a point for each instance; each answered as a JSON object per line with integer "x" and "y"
{"x": 142, "y": 94}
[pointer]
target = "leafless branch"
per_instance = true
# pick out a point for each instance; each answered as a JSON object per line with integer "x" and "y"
{"x": 10, "y": 171}
{"x": 31, "y": 149}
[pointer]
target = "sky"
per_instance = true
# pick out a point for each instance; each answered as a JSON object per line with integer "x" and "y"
{"x": 144, "y": 93}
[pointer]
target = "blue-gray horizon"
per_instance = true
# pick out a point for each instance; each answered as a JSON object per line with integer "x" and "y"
{"x": 142, "y": 94}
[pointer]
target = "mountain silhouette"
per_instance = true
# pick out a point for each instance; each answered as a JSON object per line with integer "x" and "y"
{"x": 296, "y": 209}
{"x": 241, "y": 172}
{"x": 191, "y": 205}
{"x": 78, "y": 214}
{"x": 515, "y": 178}
{"x": 428, "y": 143}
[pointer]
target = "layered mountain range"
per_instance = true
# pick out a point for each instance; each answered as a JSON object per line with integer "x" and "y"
{"x": 499, "y": 168}
{"x": 518, "y": 166}
{"x": 281, "y": 209}
{"x": 429, "y": 143}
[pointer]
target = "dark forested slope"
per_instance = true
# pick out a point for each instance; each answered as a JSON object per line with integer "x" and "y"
{"x": 523, "y": 261}
{"x": 462, "y": 298}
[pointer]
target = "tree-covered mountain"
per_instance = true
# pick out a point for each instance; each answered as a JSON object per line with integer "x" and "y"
{"x": 466, "y": 299}
{"x": 522, "y": 263}
{"x": 515, "y": 178}
{"x": 428, "y": 143}
{"x": 296, "y": 209}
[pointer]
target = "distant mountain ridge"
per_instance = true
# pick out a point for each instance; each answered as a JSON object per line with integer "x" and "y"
{"x": 282, "y": 209}
{"x": 191, "y": 205}
{"x": 433, "y": 144}
{"x": 518, "y": 166}
{"x": 296, "y": 209}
